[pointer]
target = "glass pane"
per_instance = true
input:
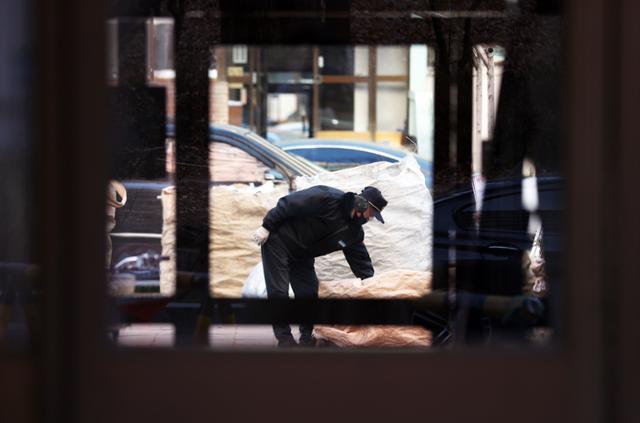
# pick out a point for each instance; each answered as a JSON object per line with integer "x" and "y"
{"x": 287, "y": 59}
{"x": 487, "y": 79}
{"x": 496, "y": 230}
{"x": 361, "y": 111}
{"x": 391, "y": 100}
{"x": 112, "y": 50}
{"x": 341, "y": 60}
{"x": 421, "y": 122}
{"x": 162, "y": 44}
{"x": 337, "y": 107}
{"x": 20, "y": 293}
{"x": 478, "y": 240}
{"x": 361, "y": 59}
{"x": 288, "y": 115}
{"x": 141, "y": 122}
{"x": 247, "y": 175}
{"x": 392, "y": 60}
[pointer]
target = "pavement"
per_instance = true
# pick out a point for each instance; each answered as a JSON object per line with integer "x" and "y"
{"x": 220, "y": 336}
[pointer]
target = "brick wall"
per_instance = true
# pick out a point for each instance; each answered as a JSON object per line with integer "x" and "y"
{"x": 218, "y": 98}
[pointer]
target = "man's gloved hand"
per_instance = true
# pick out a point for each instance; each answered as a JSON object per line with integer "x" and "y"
{"x": 260, "y": 235}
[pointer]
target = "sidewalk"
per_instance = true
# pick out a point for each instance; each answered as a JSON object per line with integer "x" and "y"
{"x": 220, "y": 336}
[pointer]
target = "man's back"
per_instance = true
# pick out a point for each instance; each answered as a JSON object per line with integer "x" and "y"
{"x": 315, "y": 221}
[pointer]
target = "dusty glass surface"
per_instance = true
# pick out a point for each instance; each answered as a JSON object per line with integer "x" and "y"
{"x": 460, "y": 133}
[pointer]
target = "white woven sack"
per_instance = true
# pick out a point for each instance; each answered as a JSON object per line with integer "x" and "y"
{"x": 168, "y": 241}
{"x": 235, "y": 211}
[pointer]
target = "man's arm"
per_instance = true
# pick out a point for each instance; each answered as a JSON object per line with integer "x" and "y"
{"x": 359, "y": 261}
{"x": 314, "y": 201}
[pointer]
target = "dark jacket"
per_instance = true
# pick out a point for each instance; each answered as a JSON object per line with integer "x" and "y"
{"x": 317, "y": 221}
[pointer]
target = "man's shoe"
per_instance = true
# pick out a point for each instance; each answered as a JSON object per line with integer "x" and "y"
{"x": 287, "y": 343}
{"x": 308, "y": 341}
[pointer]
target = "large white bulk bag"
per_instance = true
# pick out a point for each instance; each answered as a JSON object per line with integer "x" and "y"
{"x": 393, "y": 284}
{"x": 235, "y": 211}
{"x": 403, "y": 242}
{"x": 168, "y": 241}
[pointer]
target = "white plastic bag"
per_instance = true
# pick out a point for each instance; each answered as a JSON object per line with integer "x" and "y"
{"x": 255, "y": 287}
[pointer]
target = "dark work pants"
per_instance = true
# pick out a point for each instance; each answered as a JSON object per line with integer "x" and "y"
{"x": 280, "y": 269}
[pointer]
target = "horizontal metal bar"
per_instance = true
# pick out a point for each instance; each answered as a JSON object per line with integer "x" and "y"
{"x": 343, "y": 311}
{"x": 322, "y": 311}
{"x": 135, "y": 235}
{"x": 409, "y": 14}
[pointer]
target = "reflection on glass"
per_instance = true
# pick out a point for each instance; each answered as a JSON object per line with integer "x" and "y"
{"x": 160, "y": 31}
{"x": 337, "y": 107}
{"x": 344, "y": 60}
{"x": 20, "y": 293}
{"x": 112, "y": 51}
{"x": 288, "y": 115}
{"x": 420, "y": 115}
{"x": 487, "y": 79}
{"x": 141, "y": 114}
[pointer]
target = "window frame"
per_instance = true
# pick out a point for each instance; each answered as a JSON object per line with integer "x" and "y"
{"x": 587, "y": 378}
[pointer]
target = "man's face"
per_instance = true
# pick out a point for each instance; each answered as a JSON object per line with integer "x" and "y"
{"x": 367, "y": 214}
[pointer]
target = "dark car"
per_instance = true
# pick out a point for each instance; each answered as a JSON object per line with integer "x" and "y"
{"x": 499, "y": 236}
{"x": 333, "y": 154}
{"x": 483, "y": 256}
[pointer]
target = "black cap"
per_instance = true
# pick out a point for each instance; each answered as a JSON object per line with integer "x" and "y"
{"x": 376, "y": 200}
